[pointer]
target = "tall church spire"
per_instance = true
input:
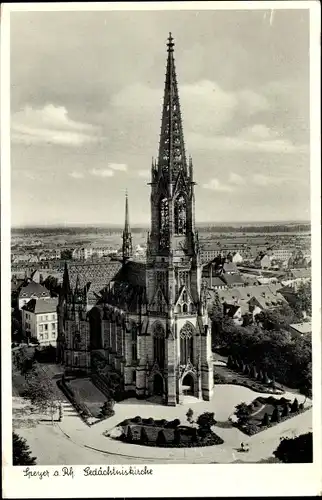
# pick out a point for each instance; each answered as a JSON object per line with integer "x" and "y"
{"x": 127, "y": 237}
{"x": 172, "y": 156}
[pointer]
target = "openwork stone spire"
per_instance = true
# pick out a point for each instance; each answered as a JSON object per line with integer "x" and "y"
{"x": 127, "y": 237}
{"x": 172, "y": 157}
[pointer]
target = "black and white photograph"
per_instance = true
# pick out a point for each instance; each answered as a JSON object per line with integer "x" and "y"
{"x": 160, "y": 251}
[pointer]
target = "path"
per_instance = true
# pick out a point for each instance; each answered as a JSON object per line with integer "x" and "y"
{"x": 82, "y": 441}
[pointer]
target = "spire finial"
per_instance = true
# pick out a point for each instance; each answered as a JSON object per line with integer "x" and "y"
{"x": 170, "y": 43}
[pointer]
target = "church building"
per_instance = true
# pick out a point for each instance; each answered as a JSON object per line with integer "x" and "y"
{"x": 146, "y": 324}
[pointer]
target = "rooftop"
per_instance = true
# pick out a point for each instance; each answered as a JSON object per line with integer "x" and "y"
{"x": 41, "y": 306}
{"x": 33, "y": 289}
{"x": 305, "y": 327}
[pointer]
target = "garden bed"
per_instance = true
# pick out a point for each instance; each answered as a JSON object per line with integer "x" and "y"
{"x": 224, "y": 375}
{"x": 165, "y": 434}
{"x": 268, "y": 412}
{"x": 82, "y": 408}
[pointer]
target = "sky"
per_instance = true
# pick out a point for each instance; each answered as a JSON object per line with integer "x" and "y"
{"x": 86, "y": 101}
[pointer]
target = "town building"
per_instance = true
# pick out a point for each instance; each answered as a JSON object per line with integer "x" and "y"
{"x": 147, "y": 322}
{"x": 39, "y": 320}
{"x": 304, "y": 328}
{"x": 32, "y": 290}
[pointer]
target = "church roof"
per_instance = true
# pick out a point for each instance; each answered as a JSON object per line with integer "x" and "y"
{"x": 128, "y": 287}
{"x": 95, "y": 275}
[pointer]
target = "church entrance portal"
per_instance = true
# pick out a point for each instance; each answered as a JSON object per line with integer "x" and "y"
{"x": 157, "y": 385}
{"x": 188, "y": 384}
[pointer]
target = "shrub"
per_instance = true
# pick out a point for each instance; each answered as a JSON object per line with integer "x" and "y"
{"x": 163, "y": 422}
{"x": 206, "y": 420}
{"x": 286, "y": 410}
{"x": 129, "y": 434}
{"x": 125, "y": 422}
{"x": 295, "y": 406}
{"x": 234, "y": 381}
{"x": 137, "y": 420}
{"x": 219, "y": 379}
{"x": 175, "y": 423}
{"x": 251, "y": 429}
{"x": 177, "y": 436}
{"x": 189, "y": 415}
{"x": 161, "y": 440}
{"x": 251, "y": 407}
{"x": 301, "y": 406}
{"x": 275, "y": 417}
{"x": 143, "y": 437}
{"x": 150, "y": 421}
{"x": 256, "y": 403}
{"x": 265, "y": 421}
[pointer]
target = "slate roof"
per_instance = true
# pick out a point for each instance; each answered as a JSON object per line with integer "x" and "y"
{"x": 128, "y": 291}
{"x": 39, "y": 306}
{"x": 95, "y": 275}
{"x": 232, "y": 279}
{"x": 33, "y": 289}
{"x": 301, "y": 273}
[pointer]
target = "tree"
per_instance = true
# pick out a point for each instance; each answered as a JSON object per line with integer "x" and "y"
{"x": 265, "y": 379}
{"x": 41, "y": 391}
{"x": 21, "y": 452}
{"x": 161, "y": 439}
{"x": 129, "y": 434}
{"x": 286, "y": 410}
{"x": 297, "y": 450}
{"x": 229, "y": 361}
{"x": 295, "y": 406}
{"x": 253, "y": 371}
{"x": 265, "y": 421}
{"x": 243, "y": 413}
{"x": 205, "y": 421}
{"x": 260, "y": 376}
{"x": 144, "y": 439}
{"x": 107, "y": 409}
{"x": 189, "y": 415}
{"x": 275, "y": 417}
{"x": 247, "y": 370}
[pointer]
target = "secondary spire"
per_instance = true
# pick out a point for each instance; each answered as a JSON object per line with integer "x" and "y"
{"x": 127, "y": 237}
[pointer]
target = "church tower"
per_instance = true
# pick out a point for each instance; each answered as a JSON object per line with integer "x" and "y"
{"x": 127, "y": 249}
{"x": 178, "y": 321}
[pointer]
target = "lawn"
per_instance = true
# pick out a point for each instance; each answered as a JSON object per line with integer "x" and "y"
{"x": 87, "y": 393}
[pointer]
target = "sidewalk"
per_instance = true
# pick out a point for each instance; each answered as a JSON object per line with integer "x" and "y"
{"x": 261, "y": 445}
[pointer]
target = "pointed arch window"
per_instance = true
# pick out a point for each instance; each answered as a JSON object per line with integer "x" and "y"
{"x": 180, "y": 215}
{"x": 164, "y": 222}
{"x": 186, "y": 344}
{"x": 159, "y": 345}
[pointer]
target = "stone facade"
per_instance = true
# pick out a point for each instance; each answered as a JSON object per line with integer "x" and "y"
{"x": 149, "y": 324}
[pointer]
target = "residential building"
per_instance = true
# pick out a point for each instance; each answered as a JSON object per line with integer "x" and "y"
{"x": 304, "y": 328}
{"x": 30, "y": 291}
{"x": 39, "y": 320}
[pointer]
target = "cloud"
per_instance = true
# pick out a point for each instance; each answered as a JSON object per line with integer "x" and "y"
{"x": 215, "y": 185}
{"x": 121, "y": 167}
{"x": 265, "y": 180}
{"x": 257, "y": 138}
{"x": 76, "y": 175}
{"x": 145, "y": 174}
{"x": 102, "y": 172}
{"x": 236, "y": 179}
{"x": 51, "y": 124}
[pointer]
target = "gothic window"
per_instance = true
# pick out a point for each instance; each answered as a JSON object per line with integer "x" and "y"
{"x": 164, "y": 222}
{"x": 184, "y": 297}
{"x": 134, "y": 342}
{"x": 184, "y": 308}
{"x": 159, "y": 345}
{"x": 180, "y": 216}
{"x": 77, "y": 341}
{"x": 160, "y": 302}
{"x": 186, "y": 344}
